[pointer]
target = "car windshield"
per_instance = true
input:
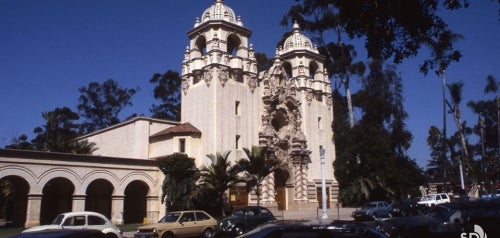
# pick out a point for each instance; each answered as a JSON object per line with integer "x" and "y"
{"x": 171, "y": 217}
{"x": 58, "y": 220}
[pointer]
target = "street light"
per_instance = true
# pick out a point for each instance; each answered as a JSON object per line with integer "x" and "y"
{"x": 323, "y": 183}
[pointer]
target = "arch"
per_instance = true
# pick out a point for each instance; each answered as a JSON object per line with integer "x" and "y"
{"x": 200, "y": 46}
{"x": 98, "y": 197}
{"x": 288, "y": 69}
{"x": 56, "y": 198}
{"x": 135, "y": 204}
{"x": 58, "y": 172}
{"x": 141, "y": 176}
{"x": 99, "y": 174}
{"x": 18, "y": 171}
{"x": 13, "y": 200}
{"x": 313, "y": 69}
{"x": 233, "y": 44}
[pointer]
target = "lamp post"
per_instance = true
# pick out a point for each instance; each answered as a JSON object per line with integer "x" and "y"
{"x": 324, "y": 216}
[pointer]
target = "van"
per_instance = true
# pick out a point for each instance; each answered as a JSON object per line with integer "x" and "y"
{"x": 434, "y": 199}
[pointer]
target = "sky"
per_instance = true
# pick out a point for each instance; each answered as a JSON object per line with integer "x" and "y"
{"x": 51, "y": 48}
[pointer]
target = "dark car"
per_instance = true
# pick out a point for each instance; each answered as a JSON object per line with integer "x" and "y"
{"x": 446, "y": 220}
{"x": 244, "y": 219}
{"x": 61, "y": 234}
{"x": 313, "y": 229}
{"x": 407, "y": 207}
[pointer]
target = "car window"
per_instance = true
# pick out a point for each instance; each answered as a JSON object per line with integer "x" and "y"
{"x": 58, "y": 219}
{"x": 95, "y": 220}
{"x": 265, "y": 212}
{"x": 171, "y": 217}
{"x": 75, "y": 221}
{"x": 187, "y": 217}
{"x": 200, "y": 216}
{"x": 250, "y": 213}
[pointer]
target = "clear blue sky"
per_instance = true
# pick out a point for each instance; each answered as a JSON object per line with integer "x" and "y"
{"x": 50, "y": 48}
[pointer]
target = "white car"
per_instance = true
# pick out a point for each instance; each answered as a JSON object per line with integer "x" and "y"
{"x": 81, "y": 220}
{"x": 434, "y": 199}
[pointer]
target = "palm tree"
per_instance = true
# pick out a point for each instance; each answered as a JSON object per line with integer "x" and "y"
{"x": 493, "y": 87}
{"x": 257, "y": 167}
{"x": 456, "y": 97}
{"x": 220, "y": 176}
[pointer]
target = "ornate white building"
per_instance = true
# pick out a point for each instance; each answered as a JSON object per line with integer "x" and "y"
{"x": 227, "y": 105}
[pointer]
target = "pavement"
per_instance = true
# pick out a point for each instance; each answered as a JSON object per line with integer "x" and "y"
{"x": 333, "y": 214}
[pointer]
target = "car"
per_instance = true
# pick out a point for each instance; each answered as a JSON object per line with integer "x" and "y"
{"x": 372, "y": 210}
{"x": 446, "y": 220}
{"x": 434, "y": 199}
{"x": 180, "y": 224}
{"x": 407, "y": 207}
{"x": 81, "y": 220}
{"x": 244, "y": 219}
{"x": 61, "y": 234}
{"x": 313, "y": 229}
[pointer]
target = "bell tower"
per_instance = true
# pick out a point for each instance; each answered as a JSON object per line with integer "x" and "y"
{"x": 219, "y": 82}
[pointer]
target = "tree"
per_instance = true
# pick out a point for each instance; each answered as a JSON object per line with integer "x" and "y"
{"x": 257, "y": 166}
{"x": 220, "y": 176}
{"x": 20, "y": 143}
{"x": 438, "y": 165}
{"x": 493, "y": 87}
{"x": 168, "y": 91}
{"x": 100, "y": 104}
{"x": 179, "y": 185}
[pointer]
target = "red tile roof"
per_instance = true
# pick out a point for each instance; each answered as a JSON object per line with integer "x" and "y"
{"x": 182, "y": 129}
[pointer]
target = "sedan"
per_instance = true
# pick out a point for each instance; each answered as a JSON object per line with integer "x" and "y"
{"x": 81, "y": 220}
{"x": 244, "y": 219}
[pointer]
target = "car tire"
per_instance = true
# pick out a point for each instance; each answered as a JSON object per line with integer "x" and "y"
{"x": 208, "y": 233}
{"x": 110, "y": 235}
{"x": 168, "y": 235}
{"x": 238, "y": 230}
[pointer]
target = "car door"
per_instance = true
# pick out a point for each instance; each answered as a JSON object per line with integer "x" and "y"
{"x": 96, "y": 223}
{"x": 187, "y": 225}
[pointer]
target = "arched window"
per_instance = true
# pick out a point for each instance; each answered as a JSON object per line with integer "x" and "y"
{"x": 233, "y": 43}
{"x": 201, "y": 45}
{"x": 313, "y": 68}
{"x": 288, "y": 69}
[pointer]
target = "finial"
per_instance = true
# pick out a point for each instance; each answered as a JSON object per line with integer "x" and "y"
{"x": 296, "y": 27}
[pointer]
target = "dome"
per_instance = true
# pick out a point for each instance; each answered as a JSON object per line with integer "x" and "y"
{"x": 298, "y": 41}
{"x": 219, "y": 11}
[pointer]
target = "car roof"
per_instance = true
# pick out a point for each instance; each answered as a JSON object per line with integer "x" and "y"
{"x": 82, "y": 213}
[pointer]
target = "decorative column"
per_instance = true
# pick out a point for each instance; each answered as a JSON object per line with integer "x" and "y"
{"x": 117, "y": 202}
{"x": 79, "y": 202}
{"x": 304, "y": 180}
{"x": 33, "y": 210}
{"x": 152, "y": 209}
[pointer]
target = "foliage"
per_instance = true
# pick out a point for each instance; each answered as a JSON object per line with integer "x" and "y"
{"x": 20, "y": 143}
{"x": 179, "y": 185}
{"x": 371, "y": 160}
{"x": 100, "y": 104}
{"x": 257, "y": 166}
{"x": 219, "y": 176}
{"x": 168, "y": 91}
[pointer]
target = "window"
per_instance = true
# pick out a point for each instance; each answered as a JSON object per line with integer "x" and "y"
{"x": 93, "y": 220}
{"x": 187, "y": 217}
{"x": 75, "y": 221}
{"x": 182, "y": 145}
{"x": 320, "y": 126}
{"x": 237, "y": 109}
{"x": 200, "y": 216}
{"x": 238, "y": 141}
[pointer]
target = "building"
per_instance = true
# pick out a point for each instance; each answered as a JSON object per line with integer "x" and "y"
{"x": 226, "y": 106}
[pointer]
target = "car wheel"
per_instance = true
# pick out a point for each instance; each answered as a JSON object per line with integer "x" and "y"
{"x": 110, "y": 235}
{"x": 238, "y": 230}
{"x": 208, "y": 233}
{"x": 168, "y": 235}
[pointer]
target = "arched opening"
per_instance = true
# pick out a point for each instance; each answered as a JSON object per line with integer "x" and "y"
{"x": 280, "y": 123}
{"x": 280, "y": 180}
{"x": 135, "y": 202}
{"x": 288, "y": 69}
{"x": 313, "y": 68}
{"x": 57, "y": 198}
{"x": 201, "y": 46}
{"x": 233, "y": 44}
{"x": 99, "y": 197}
{"x": 13, "y": 200}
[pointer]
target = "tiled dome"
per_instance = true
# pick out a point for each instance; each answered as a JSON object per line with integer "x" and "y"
{"x": 219, "y": 11}
{"x": 297, "y": 41}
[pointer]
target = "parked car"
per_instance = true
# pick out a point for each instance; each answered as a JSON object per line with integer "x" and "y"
{"x": 446, "y": 220}
{"x": 434, "y": 199}
{"x": 81, "y": 220}
{"x": 180, "y": 224}
{"x": 313, "y": 229}
{"x": 244, "y": 219}
{"x": 372, "y": 210}
{"x": 407, "y": 207}
{"x": 61, "y": 234}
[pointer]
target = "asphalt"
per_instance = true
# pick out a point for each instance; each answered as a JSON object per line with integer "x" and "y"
{"x": 333, "y": 214}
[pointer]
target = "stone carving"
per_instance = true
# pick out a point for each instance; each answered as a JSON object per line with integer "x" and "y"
{"x": 223, "y": 76}
{"x": 252, "y": 83}
{"x": 207, "y": 76}
{"x": 185, "y": 84}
